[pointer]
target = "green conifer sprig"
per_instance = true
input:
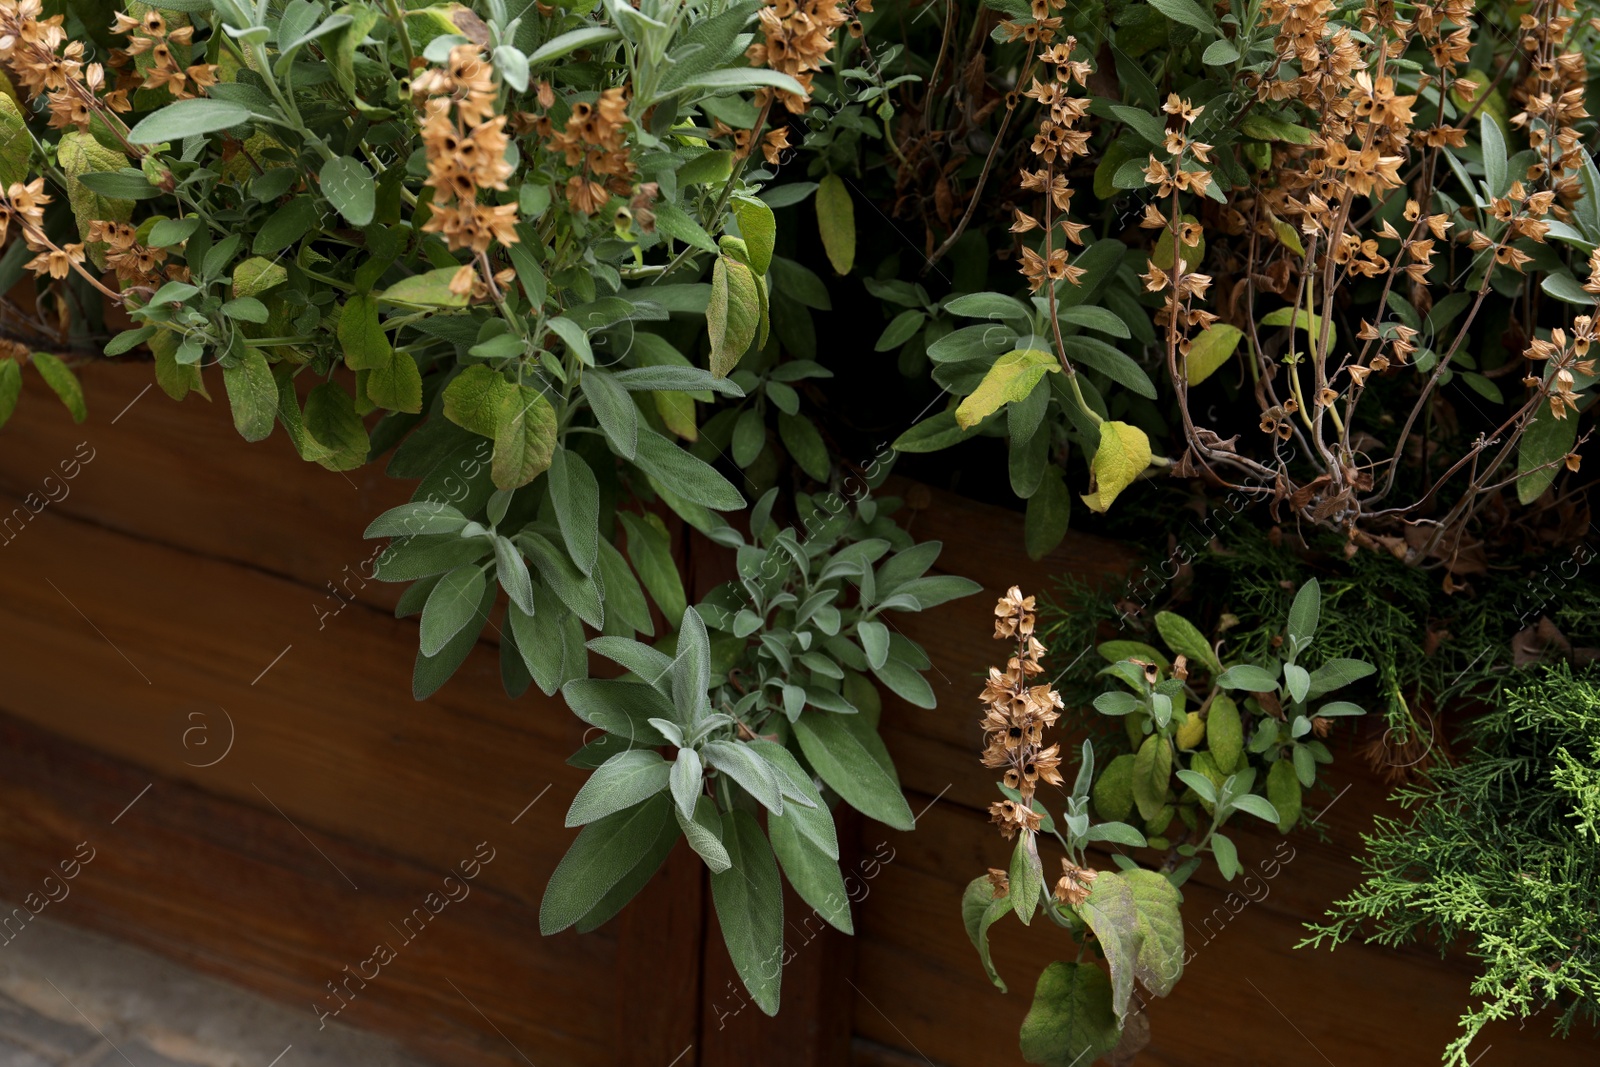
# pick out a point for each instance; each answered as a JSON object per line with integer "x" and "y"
{"x": 1501, "y": 853}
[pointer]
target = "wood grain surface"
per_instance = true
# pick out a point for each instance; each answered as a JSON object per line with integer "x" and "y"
{"x": 171, "y": 605}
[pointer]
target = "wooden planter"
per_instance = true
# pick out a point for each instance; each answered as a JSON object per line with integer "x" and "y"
{"x": 198, "y": 683}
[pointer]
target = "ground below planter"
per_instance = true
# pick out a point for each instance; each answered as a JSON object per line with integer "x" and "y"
{"x": 198, "y": 685}
{"x": 72, "y": 998}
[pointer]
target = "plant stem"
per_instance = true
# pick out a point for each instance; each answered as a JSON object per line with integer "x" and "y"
{"x": 397, "y": 19}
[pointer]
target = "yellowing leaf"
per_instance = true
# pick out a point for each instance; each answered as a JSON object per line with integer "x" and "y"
{"x": 1287, "y": 235}
{"x": 1271, "y": 128}
{"x": 836, "y": 218}
{"x": 80, "y": 154}
{"x": 1123, "y": 454}
{"x": 760, "y": 230}
{"x": 1210, "y": 350}
{"x": 1012, "y": 378}
{"x": 1305, "y": 320}
{"x": 1152, "y": 772}
{"x": 711, "y": 168}
{"x": 15, "y": 144}
{"x": 427, "y": 290}
{"x": 732, "y": 315}
{"x": 734, "y": 247}
{"x": 1283, "y": 789}
{"x": 60, "y": 378}
{"x": 10, "y": 387}
{"x": 1225, "y": 733}
{"x": 176, "y": 379}
{"x": 1495, "y": 105}
{"x": 238, "y": 170}
{"x": 361, "y": 335}
{"x": 430, "y": 22}
{"x": 473, "y": 399}
{"x": 252, "y": 394}
{"x": 677, "y": 413}
{"x": 524, "y": 439}
{"x": 338, "y": 440}
{"x": 9, "y": 90}
{"x": 763, "y": 310}
{"x": 256, "y": 275}
{"x": 1191, "y": 732}
{"x": 1072, "y": 1021}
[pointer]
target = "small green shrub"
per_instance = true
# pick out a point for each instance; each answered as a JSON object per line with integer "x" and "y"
{"x": 1501, "y": 855}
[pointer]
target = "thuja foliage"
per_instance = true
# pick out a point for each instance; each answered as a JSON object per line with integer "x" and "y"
{"x": 1502, "y": 855}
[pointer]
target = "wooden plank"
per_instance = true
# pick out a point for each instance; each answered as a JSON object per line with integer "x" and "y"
{"x": 179, "y": 473}
{"x": 241, "y": 894}
{"x": 181, "y": 479}
{"x": 118, "y": 643}
{"x": 657, "y": 988}
{"x": 984, "y": 542}
{"x": 140, "y": 646}
{"x": 864, "y": 1053}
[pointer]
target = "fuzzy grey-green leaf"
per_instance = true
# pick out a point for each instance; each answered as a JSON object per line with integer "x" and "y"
{"x": 749, "y": 902}
{"x": 622, "y": 781}
{"x": 846, "y": 754}
{"x": 603, "y": 854}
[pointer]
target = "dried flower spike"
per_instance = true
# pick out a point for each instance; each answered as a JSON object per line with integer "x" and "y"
{"x": 1015, "y": 716}
{"x": 466, "y": 145}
